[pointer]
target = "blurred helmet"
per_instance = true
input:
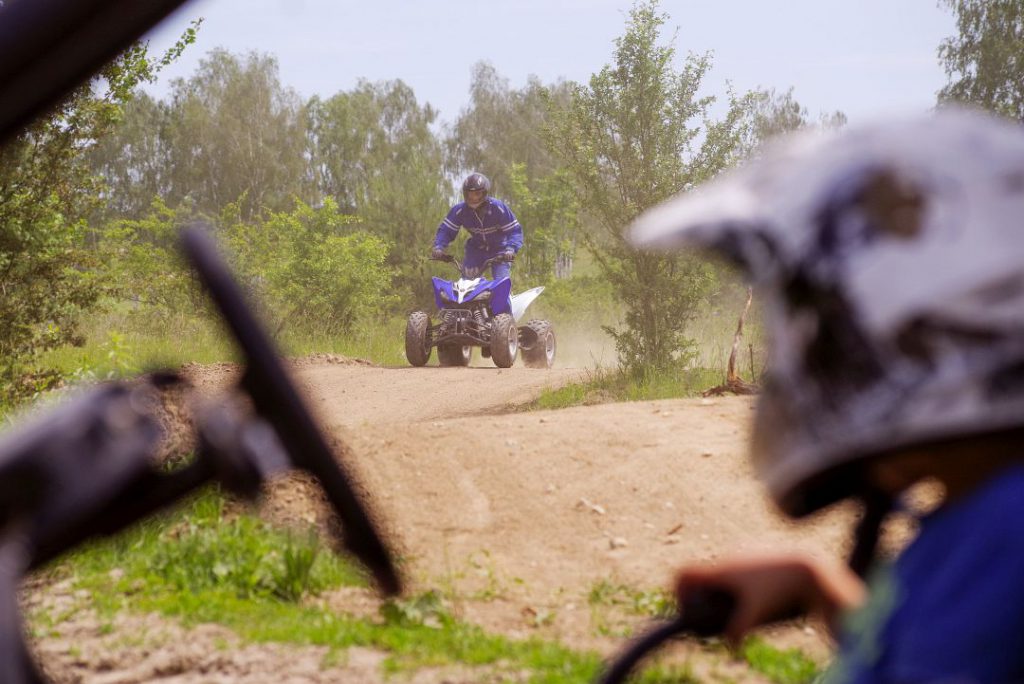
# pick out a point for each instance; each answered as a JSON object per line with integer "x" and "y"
{"x": 890, "y": 259}
{"x": 476, "y": 181}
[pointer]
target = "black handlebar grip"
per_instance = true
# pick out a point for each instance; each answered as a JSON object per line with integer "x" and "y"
{"x": 707, "y": 612}
{"x": 703, "y": 613}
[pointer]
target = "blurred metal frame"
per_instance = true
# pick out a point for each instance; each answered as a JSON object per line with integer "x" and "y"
{"x": 48, "y": 498}
{"x": 48, "y": 47}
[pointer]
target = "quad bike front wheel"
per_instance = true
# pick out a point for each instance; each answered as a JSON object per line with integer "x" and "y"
{"x": 454, "y": 354}
{"x": 417, "y": 338}
{"x": 538, "y": 344}
{"x": 504, "y": 340}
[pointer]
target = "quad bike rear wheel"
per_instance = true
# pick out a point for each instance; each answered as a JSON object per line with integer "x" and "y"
{"x": 538, "y": 344}
{"x": 417, "y": 338}
{"x": 454, "y": 354}
{"x": 504, "y": 340}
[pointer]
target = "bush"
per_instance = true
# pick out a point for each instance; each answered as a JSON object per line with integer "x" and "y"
{"x": 314, "y": 270}
{"x": 580, "y": 299}
{"x": 142, "y": 264}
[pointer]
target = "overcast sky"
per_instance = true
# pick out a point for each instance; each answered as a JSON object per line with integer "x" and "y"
{"x": 867, "y": 58}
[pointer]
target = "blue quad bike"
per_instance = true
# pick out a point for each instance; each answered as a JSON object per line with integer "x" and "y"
{"x": 476, "y": 312}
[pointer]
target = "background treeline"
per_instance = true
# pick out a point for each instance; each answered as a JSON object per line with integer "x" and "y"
{"x": 327, "y": 206}
{"x": 232, "y": 135}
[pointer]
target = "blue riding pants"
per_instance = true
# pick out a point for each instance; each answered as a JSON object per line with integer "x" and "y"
{"x": 475, "y": 256}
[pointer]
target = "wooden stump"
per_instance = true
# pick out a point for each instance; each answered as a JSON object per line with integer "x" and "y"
{"x": 734, "y": 384}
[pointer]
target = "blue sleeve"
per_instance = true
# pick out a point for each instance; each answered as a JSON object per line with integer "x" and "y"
{"x": 959, "y": 608}
{"x": 448, "y": 230}
{"x": 511, "y": 231}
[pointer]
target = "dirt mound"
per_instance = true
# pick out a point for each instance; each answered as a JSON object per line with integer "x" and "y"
{"x": 210, "y": 376}
{"x": 321, "y": 359}
{"x": 219, "y": 374}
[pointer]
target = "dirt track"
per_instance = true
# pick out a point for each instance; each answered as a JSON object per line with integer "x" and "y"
{"x": 533, "y": 510}
{"x": 524, "y": 514}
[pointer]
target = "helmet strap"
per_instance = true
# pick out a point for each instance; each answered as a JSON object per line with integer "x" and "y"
{"x": 876, "y": 507}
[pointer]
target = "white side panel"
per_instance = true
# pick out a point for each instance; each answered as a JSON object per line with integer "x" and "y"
{"x": 523, "y": 300}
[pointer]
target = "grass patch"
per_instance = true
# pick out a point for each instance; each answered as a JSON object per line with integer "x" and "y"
{"x": 613, "y": 607}
{"x": 788, "y": 666}
{"x": 201, "y": 550}
{"x": 119, "y": 343}
{"x": 204, "y": 565}
{"x": 381, "y": 342}
{"x": 656, "y": 603}
{"x": 601, "y": 386}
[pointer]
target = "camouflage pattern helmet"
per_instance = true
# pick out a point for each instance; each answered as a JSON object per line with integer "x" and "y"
{"x": 890, "y": 264}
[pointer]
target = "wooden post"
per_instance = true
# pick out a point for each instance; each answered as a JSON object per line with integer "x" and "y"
{"x": 733, "y": 382}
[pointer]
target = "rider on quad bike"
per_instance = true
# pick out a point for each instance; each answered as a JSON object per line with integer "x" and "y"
{"x": 494, "y": 230}
{"x": 474, "y": 311}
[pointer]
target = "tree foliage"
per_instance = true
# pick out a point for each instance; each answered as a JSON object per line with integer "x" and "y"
{"x": 774, "y": 113}
{"x": 985, "y": 60}
{"x": 229, "y": 131}
{"x": 47, "y": 192}
{"x": 377, "y": 157}
{"x": 551, "y": 209}
{"x": 134, "y": 159}
{"x": 503, "y": 126}
{"x": 638, "y": 133}
{"x": 141, "y": 262}
{"x": 329, "y": 205}
{"x": 311, "y": 268}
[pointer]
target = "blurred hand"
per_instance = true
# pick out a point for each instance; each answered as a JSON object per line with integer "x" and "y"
{"x": 508, "y": 256}
{"x": 438, "y": 253}
{"x": 775, "y": 587}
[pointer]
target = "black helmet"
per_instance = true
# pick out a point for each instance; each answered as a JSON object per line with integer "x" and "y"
{"x": 476, "y": 181}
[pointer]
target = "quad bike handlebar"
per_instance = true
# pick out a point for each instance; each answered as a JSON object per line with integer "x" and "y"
{"x": 277, "y": 401}
{"x": 707, "y": 612}
{"x": 448, "y": 258}
{"x": 702, "y": 613}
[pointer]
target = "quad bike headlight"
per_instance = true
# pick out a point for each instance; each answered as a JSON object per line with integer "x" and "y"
{"x": 445, "y": 297}
{"x": 483, "y": 297}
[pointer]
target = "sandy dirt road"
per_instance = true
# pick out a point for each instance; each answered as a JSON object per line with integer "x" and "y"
{"x": 524, "y": 514}
{"x": 530, "y": 512}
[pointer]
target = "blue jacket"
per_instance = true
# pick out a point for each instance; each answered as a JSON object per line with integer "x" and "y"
{"x": 949, "y": 608}
{"x": 492, "y": 226}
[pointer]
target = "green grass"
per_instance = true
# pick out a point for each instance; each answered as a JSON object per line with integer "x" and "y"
{"x": 202, "y": 549}
{"x": 789, "y": 666}
{"x": 711, "y": 334}
{"x": 655, "y": 603}
{"x": 607, "y": 385}
{"x": 381, "y": 342}
{"x": 202, "y": 565}
{"x": 121, "y": 342}
{"x": 614, "y": 607}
